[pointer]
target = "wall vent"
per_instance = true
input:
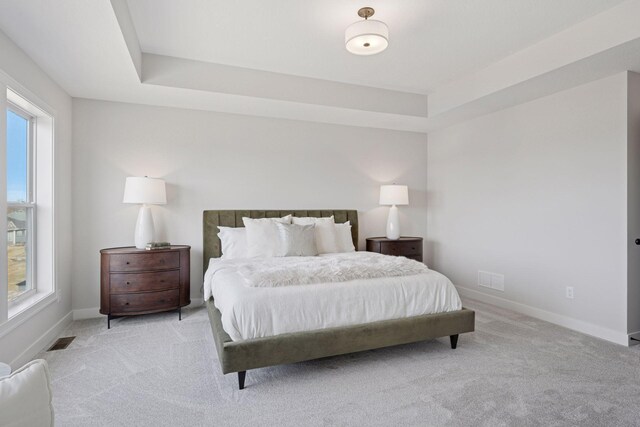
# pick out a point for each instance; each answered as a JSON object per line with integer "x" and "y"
{"x": 491, "y": 280}
{"x": 61, "y": 343}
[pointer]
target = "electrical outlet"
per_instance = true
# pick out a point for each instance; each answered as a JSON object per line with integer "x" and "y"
{"x": 570, "y": 292}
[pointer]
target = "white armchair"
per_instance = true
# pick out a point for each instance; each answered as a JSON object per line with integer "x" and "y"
{"x": 25, "y": 397}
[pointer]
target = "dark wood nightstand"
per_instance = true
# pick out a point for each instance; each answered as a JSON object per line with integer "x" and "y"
{"x": 137, "y": 281}
{"x": 410, "y": 247}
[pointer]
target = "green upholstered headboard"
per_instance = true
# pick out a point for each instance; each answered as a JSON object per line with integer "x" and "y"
{"x": 212, "y": 219}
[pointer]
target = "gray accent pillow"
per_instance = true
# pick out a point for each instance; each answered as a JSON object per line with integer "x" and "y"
{"x": 297, "y": 240}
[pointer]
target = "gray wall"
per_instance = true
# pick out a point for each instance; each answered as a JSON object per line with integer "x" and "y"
{"x": 223, "y": 161}
{"x": 538, "y": 192}
{"x": 20, "y": 344}
{"x": 633, "y": 194}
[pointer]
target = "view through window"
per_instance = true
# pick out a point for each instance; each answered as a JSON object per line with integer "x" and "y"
{"x": 20, "y": 207}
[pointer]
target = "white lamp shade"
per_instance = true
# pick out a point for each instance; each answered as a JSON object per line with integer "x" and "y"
{"x": 144, "y": 190}
{"x": 394, "y": 195}
{"x": 366, "y": 37}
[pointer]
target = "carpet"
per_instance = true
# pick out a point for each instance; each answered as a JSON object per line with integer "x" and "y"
{"x": 513, "y": 371}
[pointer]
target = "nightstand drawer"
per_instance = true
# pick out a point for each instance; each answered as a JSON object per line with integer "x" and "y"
{"x": 145, "y": 302}
{"x": 135, "y": 282}
{"x": 401, "y": 248}
{"x": 145, "y": 262}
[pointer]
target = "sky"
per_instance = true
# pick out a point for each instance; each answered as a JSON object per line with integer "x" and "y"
{"x": 17, "y": 129}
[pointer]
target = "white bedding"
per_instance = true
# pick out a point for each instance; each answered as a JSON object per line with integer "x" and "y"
{"x": 253, "y": 312}
{"x": 306, "y": 270}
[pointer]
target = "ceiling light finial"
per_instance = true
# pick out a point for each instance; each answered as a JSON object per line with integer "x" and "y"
{"x": 366, "y": 37}
{"x": 366, "y": 12}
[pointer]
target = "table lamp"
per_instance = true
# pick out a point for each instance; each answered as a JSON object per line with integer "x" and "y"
{"x": 145, "y": 191}
{"x": 394, "y": 195}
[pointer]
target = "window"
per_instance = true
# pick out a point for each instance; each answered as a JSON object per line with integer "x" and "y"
{"x": 27, "y": 260}
{"x": 20, "y": 203}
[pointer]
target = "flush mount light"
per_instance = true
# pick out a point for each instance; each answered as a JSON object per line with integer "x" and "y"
{"x": 366, "y": 37}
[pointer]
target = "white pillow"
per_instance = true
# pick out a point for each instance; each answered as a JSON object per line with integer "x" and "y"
{"x": 326, "y": 237}
{"x": 25, "y": 396}
{"x": 233, "y": 242}
{"x": 262, "y": 236}
{"x": 297, "y": 240}
{"x": 307, "y": 220}
{"x": 345, "y": 241}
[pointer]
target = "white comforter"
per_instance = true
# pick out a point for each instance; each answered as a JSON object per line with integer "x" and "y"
{"x": 252, "y": 312}
{"x": 306, "y": 270}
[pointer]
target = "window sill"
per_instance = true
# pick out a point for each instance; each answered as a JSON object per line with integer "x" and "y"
{"x": 26, "y": 309}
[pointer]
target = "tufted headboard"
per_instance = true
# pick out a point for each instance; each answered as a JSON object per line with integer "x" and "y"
{"x": 212, "y": 219}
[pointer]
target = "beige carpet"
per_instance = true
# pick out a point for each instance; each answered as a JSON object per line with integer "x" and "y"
{"x": 513, "y": 371}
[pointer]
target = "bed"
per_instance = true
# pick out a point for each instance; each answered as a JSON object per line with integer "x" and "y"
{"x": 261, "y": 349}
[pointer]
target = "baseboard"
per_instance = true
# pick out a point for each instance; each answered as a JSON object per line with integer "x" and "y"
{"x": 42, "y": 342}
{"x": 196, "y": 302}
{"x": 94, "y": 312}
{"x": 86, "y": 313}
{"x": 558, "y": 319}
{"x": 636, "y": 338}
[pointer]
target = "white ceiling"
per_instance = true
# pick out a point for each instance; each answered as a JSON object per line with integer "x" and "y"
{"x": 81, "y": 45}
{"x": 431, "y": 41}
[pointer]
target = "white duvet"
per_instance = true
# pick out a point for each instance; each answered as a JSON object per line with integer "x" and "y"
{"x": 306, "y": 270}
{"x": 254, "y": 304}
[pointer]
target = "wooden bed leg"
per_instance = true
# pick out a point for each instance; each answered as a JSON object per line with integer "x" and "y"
{"x": 454, "y": 341}
{"x": 241, "y": 377}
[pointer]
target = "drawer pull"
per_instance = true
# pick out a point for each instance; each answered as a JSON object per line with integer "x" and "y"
{"x": 128, "y": 283}
{"x": 127, "y": 262}
{"x": 161, "y": 281}
{"x": 126, "y": 303}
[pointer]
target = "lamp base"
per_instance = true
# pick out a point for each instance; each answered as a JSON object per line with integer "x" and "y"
{"x": 145, "y": 230}
{"x": 393, "y": 224}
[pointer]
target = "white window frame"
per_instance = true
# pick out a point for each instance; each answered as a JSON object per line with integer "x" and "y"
{"x": 44, "y": 247}
{"x": 30, "y": 204}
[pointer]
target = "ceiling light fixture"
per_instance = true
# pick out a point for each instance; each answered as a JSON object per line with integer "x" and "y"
{"x": 366, "y": 37}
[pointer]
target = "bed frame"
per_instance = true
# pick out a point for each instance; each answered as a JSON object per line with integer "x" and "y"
{"x": 240, "y": 356}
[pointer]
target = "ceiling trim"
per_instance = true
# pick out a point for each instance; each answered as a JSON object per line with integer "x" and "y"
{"x": 603, "y": 45}
{"x": 610, "y": 30}
{"x": 197, "y": 75}
{"x": 121, "y": 10}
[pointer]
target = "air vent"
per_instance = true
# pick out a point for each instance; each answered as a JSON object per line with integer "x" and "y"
{"x": 61, "y": 343}
{"x": 491, "y": 280}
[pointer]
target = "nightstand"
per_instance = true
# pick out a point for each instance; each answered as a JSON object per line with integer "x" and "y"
{"x": 138, "y": 281}
{"x": 410, "y": 247}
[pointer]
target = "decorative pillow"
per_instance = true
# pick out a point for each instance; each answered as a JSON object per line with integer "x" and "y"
{"x": 25, "y": 396}
{"x": 297, "y": 240}
{"x": 345, "y": 241}
{"x": 233, "y": 242}
{"x": 262, "y": 236}
{"x": 326, "y": 238}
{"x": 306, "y": 220}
